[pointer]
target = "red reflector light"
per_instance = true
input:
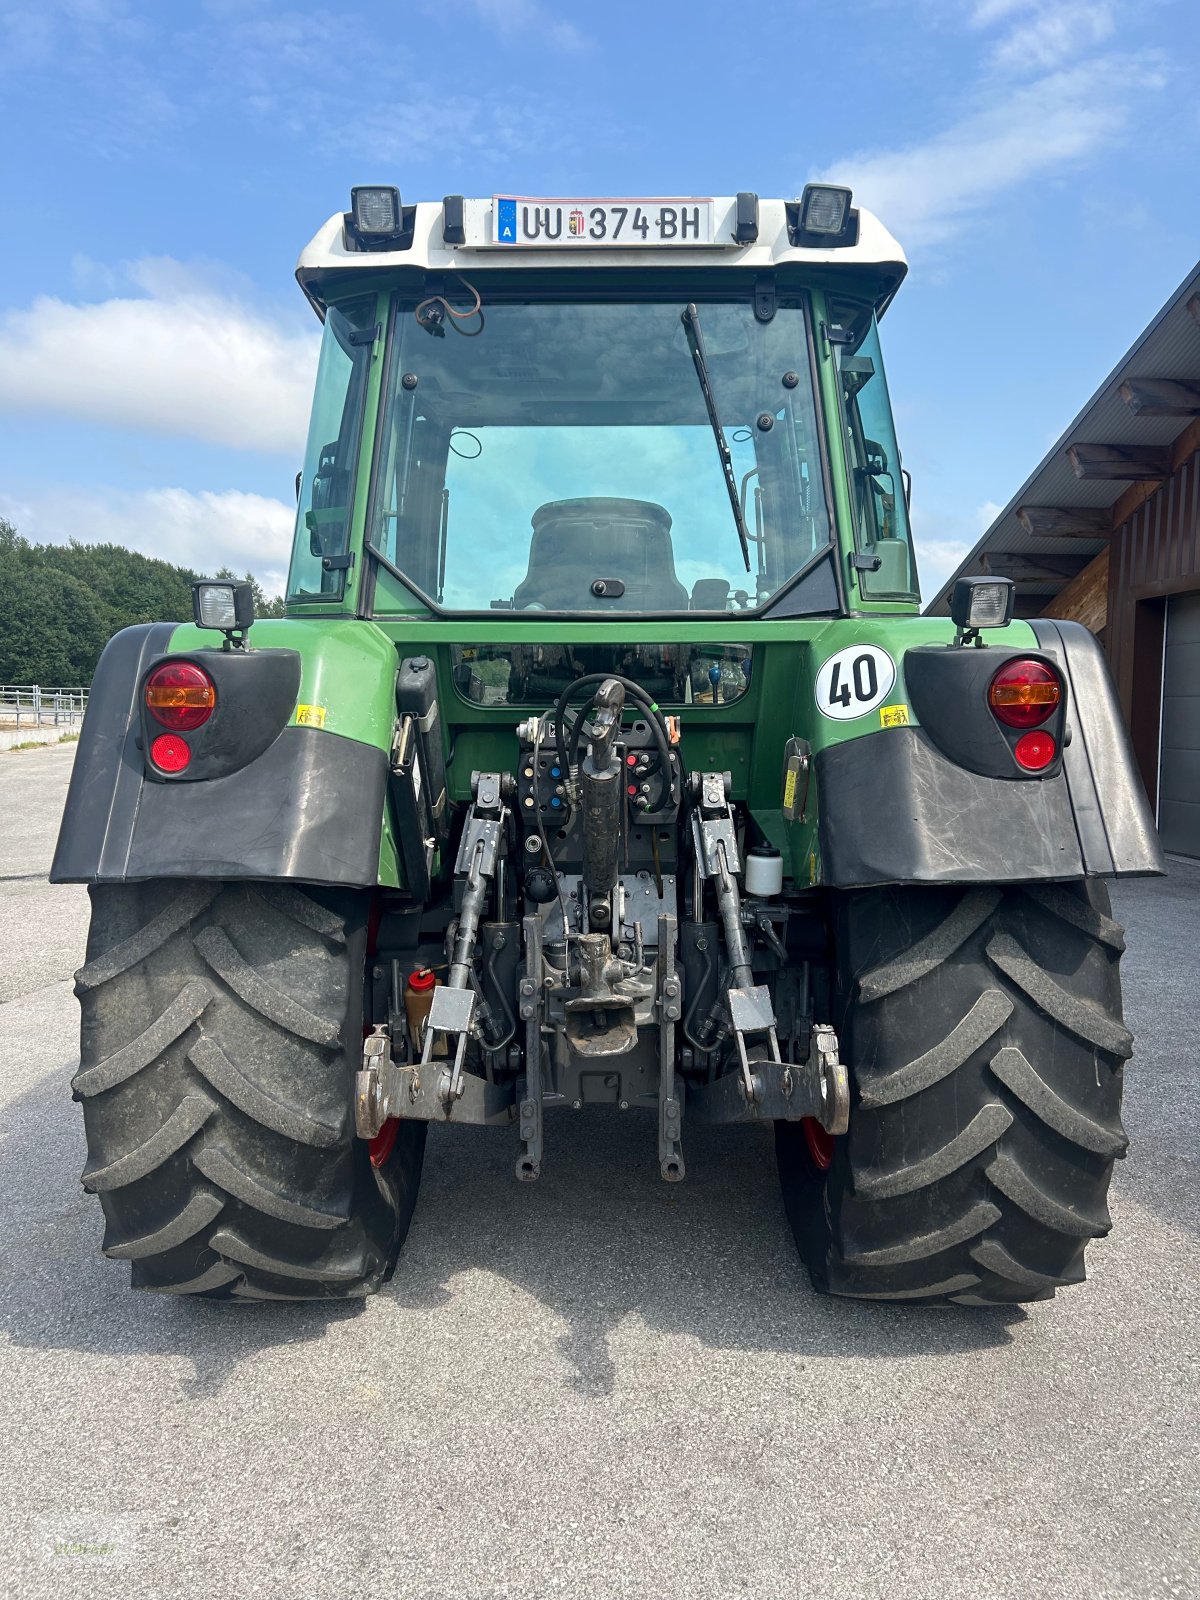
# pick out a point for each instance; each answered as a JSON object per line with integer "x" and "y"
{"x": 180, "y": 695}
{"x": 1025, "y": 693}
{"x": 169, "y": 752}
{"x": 1034, "y": 751}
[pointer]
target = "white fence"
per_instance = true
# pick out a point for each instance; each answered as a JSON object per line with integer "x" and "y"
{"x": 32, "y": 705}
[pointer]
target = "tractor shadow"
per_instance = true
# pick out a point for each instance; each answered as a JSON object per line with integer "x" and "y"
{"x": 57, "y": 1292}
{"x": 600, "y": 1237}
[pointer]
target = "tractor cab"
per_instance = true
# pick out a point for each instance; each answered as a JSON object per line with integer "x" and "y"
{"x": 619, "y": 421}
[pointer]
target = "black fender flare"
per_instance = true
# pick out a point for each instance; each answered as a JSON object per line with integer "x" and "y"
{"x": 896, "y": 808}
{"x": 281, "y": 803}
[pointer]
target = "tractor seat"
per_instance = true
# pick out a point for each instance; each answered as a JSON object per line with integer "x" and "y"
{"x": 575, "y": 542}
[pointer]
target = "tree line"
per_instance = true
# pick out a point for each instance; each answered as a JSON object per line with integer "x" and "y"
{"x": 61, "y": 603}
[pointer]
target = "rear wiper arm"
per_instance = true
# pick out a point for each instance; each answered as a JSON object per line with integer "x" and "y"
{"x": 695, "y": 339}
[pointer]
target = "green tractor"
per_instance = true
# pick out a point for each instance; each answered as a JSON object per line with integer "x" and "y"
{"x": 602, "y": 758}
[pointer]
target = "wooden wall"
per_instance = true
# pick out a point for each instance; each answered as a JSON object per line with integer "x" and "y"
{"x": 1085, "y": 598}
{"x": 1154, "y": 552}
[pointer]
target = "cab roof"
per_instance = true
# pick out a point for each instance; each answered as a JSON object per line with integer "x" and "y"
{"x": 335, "y": 256}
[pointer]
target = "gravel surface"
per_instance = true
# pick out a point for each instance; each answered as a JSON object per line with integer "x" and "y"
{"x": 597, "y": 1385}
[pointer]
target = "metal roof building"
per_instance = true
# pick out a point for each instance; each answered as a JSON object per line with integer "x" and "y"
{"x": 1106, "y": 531}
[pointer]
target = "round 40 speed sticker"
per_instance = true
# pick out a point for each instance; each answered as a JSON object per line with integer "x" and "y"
{"x": 854, "y": 681}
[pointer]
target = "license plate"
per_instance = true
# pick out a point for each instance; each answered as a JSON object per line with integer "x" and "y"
{"x": 600, "y": 224}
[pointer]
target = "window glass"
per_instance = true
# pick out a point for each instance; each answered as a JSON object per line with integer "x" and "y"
{"x": 872, "y": 456}
{"x": 675, "y": 674}
{"x": 562, "y": 458}
{"x": 331, "y": 458}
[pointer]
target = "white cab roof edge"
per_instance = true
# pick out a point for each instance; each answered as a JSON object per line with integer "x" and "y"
{"x": 326, "y": 253}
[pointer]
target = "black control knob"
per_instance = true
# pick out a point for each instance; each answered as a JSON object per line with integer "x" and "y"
{"x": 540, "y": 885}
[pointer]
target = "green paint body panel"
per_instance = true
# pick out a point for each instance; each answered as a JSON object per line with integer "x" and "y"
{"x": 349, "y": 670}
{"x": 348, "y": 674}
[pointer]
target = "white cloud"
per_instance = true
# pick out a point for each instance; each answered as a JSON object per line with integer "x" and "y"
{"x": 182, "y": 358}
{"x": 940, "y": 546}
{"x": 985, "y": 12}
{"x": 248, "y": 532}
{"x": 513, "y": 17}
{"x": 427, "y": 124}
{"x": 927, "y": 191}
{"x": 1052, "y": 33}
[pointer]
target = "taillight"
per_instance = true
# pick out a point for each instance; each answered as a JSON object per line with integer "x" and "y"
{"x": 1035, "y": 751}
{"x": 1024, "y": 694}
{"x": 169, "y": 752}
{"x": 180, "y": 695}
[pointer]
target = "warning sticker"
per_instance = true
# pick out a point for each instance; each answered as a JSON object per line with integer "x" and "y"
{"x": 893, "y": 717}
{"x": 310, "y": 716}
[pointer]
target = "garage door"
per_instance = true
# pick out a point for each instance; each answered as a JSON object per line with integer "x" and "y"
{"x": 1179, "y": 780}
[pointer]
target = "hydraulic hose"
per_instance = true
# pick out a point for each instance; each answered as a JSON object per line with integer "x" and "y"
{"x": 634, "y": 691}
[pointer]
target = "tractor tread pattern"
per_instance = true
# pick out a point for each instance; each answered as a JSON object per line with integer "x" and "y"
{"x": 215, "y": 945}
{"x": 1052, "y": 897}
{"x": 188, "y": 1005}
{"x": 1080, "y": 1017}
{"x": 984, "y": 1128}
{"x": 217, "y": 1102}
{"x": 218, "y": 1165}
{"x": 986, "y": 1046}
{"x": 202, "y": 1207}
{"x": 331, "y": 1268}
{"x": 990, "y": 1012}
{"x": 133, "y": 950}
{"x": 188, "y": 1117}
{"x": 918, "y": 1291}
{"x": 217, "y": 1275}
{"x": 936, "y": 947}
{"x": 308, "y": 913}
{"x": 993, "y": 1257}
{"x": 920, "y": 1246}
{"x": 1007, "y": 1174}
{"x": 293, "y": 1122}
{"x": 1016, "y": 1073}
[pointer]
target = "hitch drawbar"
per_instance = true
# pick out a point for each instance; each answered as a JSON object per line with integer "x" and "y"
{"x": 596, "y": 1005}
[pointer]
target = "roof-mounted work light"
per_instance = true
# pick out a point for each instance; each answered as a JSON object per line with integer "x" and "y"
{"x": 226, "y": 606}
{"x": 376, "y": 211}
{"x": 981, "y": 603}
{"x": 824, "y": 216}
{"x": 376, "y": 215}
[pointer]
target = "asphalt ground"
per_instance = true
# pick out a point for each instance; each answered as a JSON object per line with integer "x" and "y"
{"x": 597, "y": 1385}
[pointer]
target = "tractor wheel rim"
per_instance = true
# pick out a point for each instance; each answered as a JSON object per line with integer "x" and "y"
{"x": 819, "y": 1143}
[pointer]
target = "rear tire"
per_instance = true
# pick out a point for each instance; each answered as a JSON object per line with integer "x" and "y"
{"x": 221, "y": 1030}
{"x": 985, "y": 1043}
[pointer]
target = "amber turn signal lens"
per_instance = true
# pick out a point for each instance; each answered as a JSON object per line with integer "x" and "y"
{"x": 169, "y": 752}
{"x": 180, "y": 695}
{"x": 1024, "y": 694}
{"x": 1035, "y": 751}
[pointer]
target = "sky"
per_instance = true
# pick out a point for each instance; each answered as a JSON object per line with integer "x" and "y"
{"x": 162, "y": 165}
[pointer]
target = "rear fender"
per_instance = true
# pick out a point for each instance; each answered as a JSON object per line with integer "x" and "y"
{"x": 276, "y": 789}
{"x": 937, "y": 798}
